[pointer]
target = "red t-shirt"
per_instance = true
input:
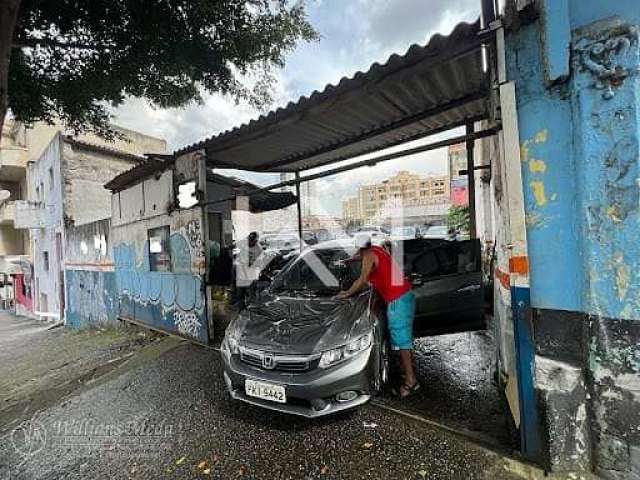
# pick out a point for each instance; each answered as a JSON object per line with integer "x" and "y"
{"x": 387, "y": 278}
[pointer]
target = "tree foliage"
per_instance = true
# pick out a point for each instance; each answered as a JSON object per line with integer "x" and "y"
{"x": 72, "y": 59}
{"x": 458, "y": 218}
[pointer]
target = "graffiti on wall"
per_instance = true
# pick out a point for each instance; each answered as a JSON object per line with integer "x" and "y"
{"x": 187, "y": 323}
{"x": 172, "y": 301}
{"x": 92, "y": 298}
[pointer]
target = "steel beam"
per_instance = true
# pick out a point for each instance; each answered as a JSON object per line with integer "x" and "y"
{"x": 471, "y": 182}
{"x": 374, "y": 161}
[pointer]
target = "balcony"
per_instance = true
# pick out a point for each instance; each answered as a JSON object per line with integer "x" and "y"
{"x": 7, "y": 213}
{"x": 29, "y": 214}
{"x": 13, "y": 164}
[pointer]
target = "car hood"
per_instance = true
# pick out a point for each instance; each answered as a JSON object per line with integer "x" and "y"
{"x": 301, "y": 325}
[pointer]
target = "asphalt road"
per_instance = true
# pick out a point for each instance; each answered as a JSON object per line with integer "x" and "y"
{"x": 168, "y": 416}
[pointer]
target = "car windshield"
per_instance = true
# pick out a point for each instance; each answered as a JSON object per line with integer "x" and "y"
{"x": 318, "y": 272}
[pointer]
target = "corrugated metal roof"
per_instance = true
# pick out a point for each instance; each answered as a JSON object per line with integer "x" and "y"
{"x": 259, "y": 201}
{"x": 141, "y": 171}
{"x": 428, "y": 89}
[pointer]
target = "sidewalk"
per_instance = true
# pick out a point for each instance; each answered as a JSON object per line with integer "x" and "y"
{"x": 40, "y": 366}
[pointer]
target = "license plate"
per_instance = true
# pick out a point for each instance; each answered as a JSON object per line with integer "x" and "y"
{"x": 265, "y": 391}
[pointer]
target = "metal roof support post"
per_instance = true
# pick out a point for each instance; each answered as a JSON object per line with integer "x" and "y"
{"x": 471, "y": 176}
{"x": 297, "y": 175}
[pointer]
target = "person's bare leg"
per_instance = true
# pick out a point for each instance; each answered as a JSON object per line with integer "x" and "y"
{"x": 406, "y": 362}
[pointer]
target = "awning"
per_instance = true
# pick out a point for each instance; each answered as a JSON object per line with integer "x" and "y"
{"x": 259, "y": 200}
{"x": 427, "y": 90}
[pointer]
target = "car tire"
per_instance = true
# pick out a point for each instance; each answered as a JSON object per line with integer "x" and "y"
{"x": 382, "y": 373}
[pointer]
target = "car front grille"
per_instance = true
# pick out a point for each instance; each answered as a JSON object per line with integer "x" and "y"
{"x": 278, "y": 362}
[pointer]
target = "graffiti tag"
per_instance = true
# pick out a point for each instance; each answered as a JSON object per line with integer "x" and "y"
{"x": 187, "y": 323}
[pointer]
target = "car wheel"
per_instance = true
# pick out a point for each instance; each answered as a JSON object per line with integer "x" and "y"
{"x": 382, "y": 375}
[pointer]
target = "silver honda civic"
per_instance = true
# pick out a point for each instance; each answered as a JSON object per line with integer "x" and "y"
{"x": 296, "y": 350}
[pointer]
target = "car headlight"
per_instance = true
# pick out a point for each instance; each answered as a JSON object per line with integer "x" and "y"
{"x": 337, "y": 355}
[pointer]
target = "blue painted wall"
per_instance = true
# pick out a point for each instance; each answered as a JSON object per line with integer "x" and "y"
{"x": 579, "y": 133}
{"x": 548, "y": 173}
{"x": 171, "y": 301}
{"x": 585, "y": 12}
{"x": 579, "y": 159}
{"x": 92, "y": 298}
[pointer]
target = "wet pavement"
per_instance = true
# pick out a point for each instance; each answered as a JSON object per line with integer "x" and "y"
{"x": 456, "y": 375}
{"x": 169, "y": 416}
{"x": 40, "y": 365}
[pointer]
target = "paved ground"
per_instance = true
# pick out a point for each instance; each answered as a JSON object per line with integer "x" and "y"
{"x": 456, "y": 373}
{"x": 39, "y": 366}
{"x": 164, "y": 413}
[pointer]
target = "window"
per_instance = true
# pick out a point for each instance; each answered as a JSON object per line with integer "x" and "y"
{"x": 159, "y": 257}
{"x": 45, "y": 261}
{"x": 448, "y": 259}
{"x": 50, "y": 178}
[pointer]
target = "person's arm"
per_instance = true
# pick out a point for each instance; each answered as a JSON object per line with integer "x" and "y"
{"x": 368, "y": 263}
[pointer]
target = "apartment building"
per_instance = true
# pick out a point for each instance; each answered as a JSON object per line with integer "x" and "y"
{"x": 458, "y": 184}
{"x": 404, "y": 188}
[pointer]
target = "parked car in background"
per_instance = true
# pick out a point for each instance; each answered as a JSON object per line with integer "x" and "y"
{"x": 280, "y": 242}
{"x": 434, "y": 232}
{"x": 296, "y": 350}
{"x": 404, "y": 233}
{"x": 378, "y": 234}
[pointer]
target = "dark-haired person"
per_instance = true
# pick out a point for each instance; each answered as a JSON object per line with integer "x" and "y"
{"x": 381, "y": 272}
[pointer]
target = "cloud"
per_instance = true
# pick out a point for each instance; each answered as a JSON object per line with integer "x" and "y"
{"x": 393, "y": 26}
{"x": 355, "y": 34}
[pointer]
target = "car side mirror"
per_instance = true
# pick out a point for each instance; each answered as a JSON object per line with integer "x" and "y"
{"x": 416, "y": 279}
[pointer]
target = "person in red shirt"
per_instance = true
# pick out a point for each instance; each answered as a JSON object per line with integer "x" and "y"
{"x": 381, "y": 272}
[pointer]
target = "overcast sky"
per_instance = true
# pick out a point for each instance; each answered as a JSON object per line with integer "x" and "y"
{"x": 355, "y": 34}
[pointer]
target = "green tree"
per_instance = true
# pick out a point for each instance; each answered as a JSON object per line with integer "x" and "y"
{"x": 458, "y": 218}
{"x": 72, "y": 59}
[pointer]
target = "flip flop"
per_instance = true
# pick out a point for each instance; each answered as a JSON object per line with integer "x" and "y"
{"x": 410, "y": 390}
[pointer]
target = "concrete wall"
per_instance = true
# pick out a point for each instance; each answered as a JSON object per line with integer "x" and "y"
{"x": 85, "y": 173}
{"x": 577, "y": 77}
{"x": 90, "y": 280}
{"x": 217, "y": 191}
{"x": 68, "y": 178}
{"x": 171, "y": 301}
{"x": 46, "y": 175}
{"x": 40, "y": 134}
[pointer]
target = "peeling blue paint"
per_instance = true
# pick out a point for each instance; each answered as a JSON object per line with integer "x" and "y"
{"x": 92, "y": 298}
{"x": 582, "y": 207}
{"x": 550, "y": 223}
{"x": 170, "y": 301}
